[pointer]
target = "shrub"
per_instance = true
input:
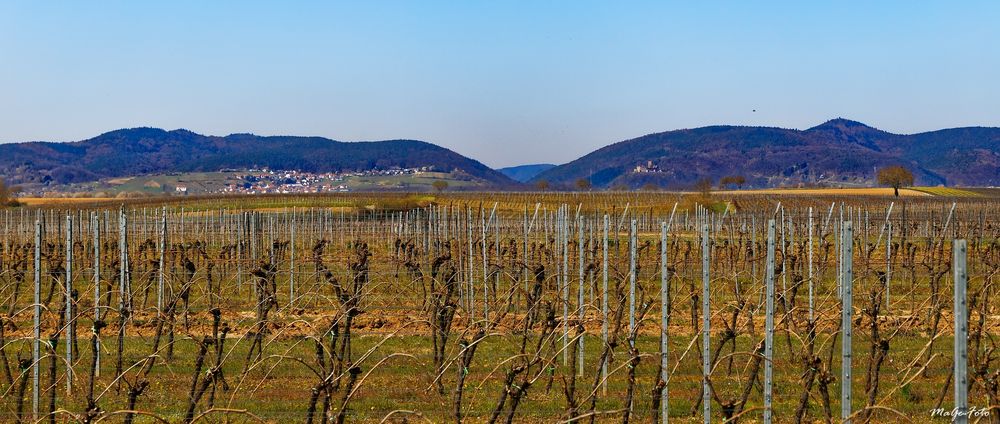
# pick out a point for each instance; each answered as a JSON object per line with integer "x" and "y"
{"x": 7, "y": 194}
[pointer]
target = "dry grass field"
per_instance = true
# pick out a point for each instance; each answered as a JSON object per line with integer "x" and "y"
{"x": 869, "y": 191}
{"x": 62, "y": 201}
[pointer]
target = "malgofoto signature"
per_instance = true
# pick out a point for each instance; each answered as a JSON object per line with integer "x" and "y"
{"x": 953, "y": 413}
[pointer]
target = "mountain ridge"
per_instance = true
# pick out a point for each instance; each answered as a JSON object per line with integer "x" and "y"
{"x": 523, "y": 173}
{"x": 837, "y": 152}
{"x": 145, "y": 150}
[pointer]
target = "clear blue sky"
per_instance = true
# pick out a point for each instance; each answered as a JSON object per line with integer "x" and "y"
{"x": 505, "y": 82}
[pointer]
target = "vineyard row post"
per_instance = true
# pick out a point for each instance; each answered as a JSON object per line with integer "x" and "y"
{"x": 162, "y": 264}
{"x": 706, "y": 364}
{"x": 69, "y": 305}
{"x": 96, "y": 223}
{"x": 961, "y": 370}
{"x": 664, "y": 324}
{"x": 37, "y": 306}
{"x": 604, "y": 304}
{"x": 564, "y": 272}
{"x": 847, "y": 314}
{"x": 810, "y": 275}
{"x": 769, "y": 324}
{"x": 579, "y": 294}
{"x": 631, "y": 276}
{"x": 291, "y": 261}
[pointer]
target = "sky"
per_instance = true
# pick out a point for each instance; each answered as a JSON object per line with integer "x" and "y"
{"x": 504, "y": 82}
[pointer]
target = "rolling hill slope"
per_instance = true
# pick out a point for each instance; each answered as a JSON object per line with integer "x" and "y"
{"x": 524, "y": 173}
{"x": 142, "y": 151}
{"x": 838, "y": 152}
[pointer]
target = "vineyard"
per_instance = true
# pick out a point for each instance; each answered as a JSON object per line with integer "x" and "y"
{"x": 507, "y": 307}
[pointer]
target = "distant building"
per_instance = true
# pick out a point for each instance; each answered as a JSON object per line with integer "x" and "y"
{"x": 648, "y": 167}
{"x": 183, "y": 190}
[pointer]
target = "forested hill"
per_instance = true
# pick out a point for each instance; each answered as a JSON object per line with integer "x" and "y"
{"x": 524, "y": 173}
{"x": 141, "y": 151}
{"x": 838, "y": 152}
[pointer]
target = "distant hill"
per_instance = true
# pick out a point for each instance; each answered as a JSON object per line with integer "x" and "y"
{"x": 524, "y": 173}
{"x": 142, "y": 151}
{"x": 838, "y": 152}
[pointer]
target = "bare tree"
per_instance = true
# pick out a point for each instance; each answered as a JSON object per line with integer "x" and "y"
{"x": 895, "y": 176}
{"x": 7, "y": 193}
{"x": 732, "y": 180}
{"x": 704, "y": 186}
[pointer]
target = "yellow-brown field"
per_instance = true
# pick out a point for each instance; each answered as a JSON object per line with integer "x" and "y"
{"x": 867, "y": 191}
{"x": 61, "y": 201}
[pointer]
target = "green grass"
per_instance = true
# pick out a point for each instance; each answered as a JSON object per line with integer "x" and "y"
{"x": 419, "y": 182}
{"x": 278, "y": 389}
{"x": 946, "y": 191}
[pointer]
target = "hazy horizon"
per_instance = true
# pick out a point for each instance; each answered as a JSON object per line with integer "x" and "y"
{"x": 506, "y": 84}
